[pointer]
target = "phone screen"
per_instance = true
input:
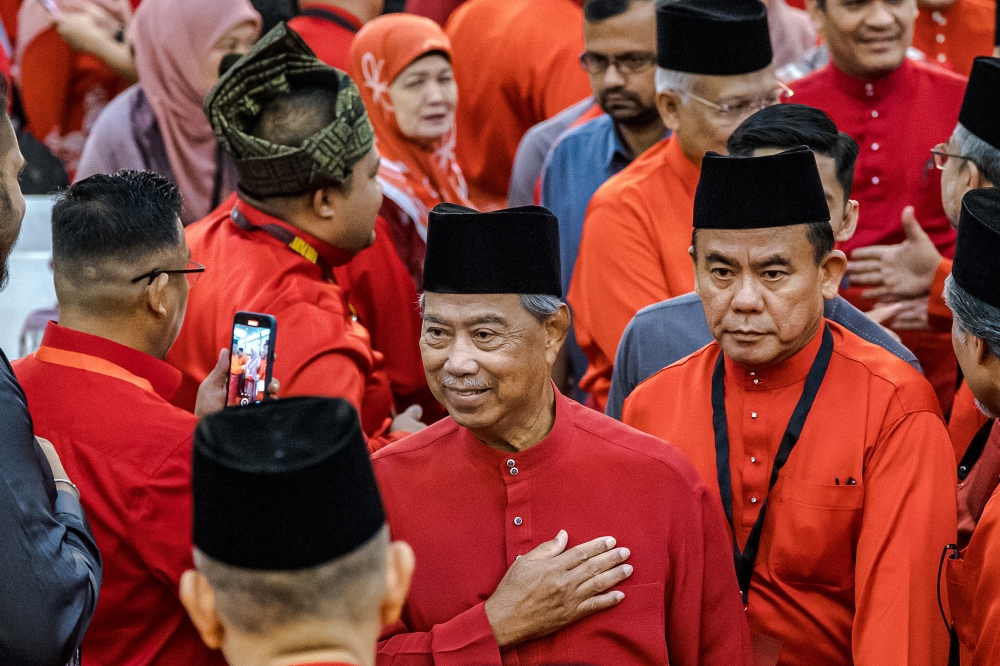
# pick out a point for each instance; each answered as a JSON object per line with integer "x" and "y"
{"x": 248, "y": 362}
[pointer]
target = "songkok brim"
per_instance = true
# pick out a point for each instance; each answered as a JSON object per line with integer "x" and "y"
{"x": 714, "y": 37}
{"x": 980, "y": 112}
{"x": 760, "y": 192}
{"x": 281, "y": 63}
{"x": 976, "y": 267}
{"x": 514, "y": 251}
{"x": 283, "y": 485}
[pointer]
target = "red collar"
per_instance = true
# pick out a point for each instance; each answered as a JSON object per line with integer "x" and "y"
{"x": 164, "y": 378}
{"x": 786, "y": 373}
{"x": 874, "y": 89}
{"x": 333, "y": 256}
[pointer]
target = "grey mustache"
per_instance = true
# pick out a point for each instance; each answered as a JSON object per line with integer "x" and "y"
{"x": 448, "y": 381}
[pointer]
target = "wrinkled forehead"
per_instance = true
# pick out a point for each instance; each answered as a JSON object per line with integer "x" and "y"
{"x": 469, "y": 309}
{"x": 753, "y": 246}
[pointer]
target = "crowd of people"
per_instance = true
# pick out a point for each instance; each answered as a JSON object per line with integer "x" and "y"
{"x": 612, "y": 332}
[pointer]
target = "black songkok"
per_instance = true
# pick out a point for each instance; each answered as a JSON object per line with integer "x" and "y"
{"x": 760, "y": 192}
{"x": 717, "y": 37}
{"x": 977, "y": 251}
{"x": 980, "y": 112}
{"x": 283, "y": 485}
{"x": 514, "y": 251}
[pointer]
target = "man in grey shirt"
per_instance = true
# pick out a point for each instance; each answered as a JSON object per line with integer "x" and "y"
{"x": 665, "y": 332}
{"x": 50, "y": 569}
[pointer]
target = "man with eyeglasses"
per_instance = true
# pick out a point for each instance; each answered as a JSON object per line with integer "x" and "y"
{"x": 912, "y": 274}
{"x": 98, "y": 388}
{"x": 714, "y": 70}
{"x": 620, "y": 57}
{"x": 896, "y": 109}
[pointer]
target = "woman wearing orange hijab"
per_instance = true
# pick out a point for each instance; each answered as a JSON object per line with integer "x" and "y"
{"x": 402, "y": 64}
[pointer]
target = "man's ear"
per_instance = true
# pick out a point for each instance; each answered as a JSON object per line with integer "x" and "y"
{"x": 850, "y": 222}
{"x": 156, "y": 294}
{"x": 327, "y": 201}
{"x": 400, "y": 562}
{"x": 833, "y": 268}
{"x": 556, "y": 329}
{"x": 668, "y": 104}
{"x": 198, "y": 599}
{"x": 977, "y": 180}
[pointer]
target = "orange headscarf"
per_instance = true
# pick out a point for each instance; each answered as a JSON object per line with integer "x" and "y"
{"x": 416, "y": 175}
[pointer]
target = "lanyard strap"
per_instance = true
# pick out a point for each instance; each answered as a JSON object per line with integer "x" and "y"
{"x": 332, "y": 17}
{"x": 71, "y": 359}
{"x": 745, "y": 560}
{"x": 297, "y": 245}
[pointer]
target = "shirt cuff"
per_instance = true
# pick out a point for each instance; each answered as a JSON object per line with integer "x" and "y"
{"x": 466, "y": 639}
{"x": 69, "y": 503}
{"x": 938, "y": 313}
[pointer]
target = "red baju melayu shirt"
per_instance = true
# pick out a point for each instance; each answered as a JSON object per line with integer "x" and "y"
{"x": 896, "y": 120}
{"x": 469, "y": 510}
{"x": 856, "y": 522}
{"x": 105, "y": 408}
{"x": 328, "y": 36}
{"x": 319, "y": 350}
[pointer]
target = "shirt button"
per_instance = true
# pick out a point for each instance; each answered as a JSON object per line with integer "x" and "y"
{"x": 753, "y": 374}
{"x": 942, "y": 58}
{"x": 940, "y": 38}
{"x": 875, "y": 180}
{"x": 513, "y": 471}
{"x": 753, "y": 415}
{"x": 511, "y": 463}
{"x": 874, "y": 114}
{"x": 756, "y": 381}
{"x": 939, "y": 18}
{"x": 753, "y": 500}
{"x": 518, "y": 521}
{"x": 875, "y": 146}
{"x": 869, "y": 89}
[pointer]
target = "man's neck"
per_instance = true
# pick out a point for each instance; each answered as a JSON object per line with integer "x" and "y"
{"x": 122, "y": 330}
{"x": 640, "y": 139}
{"x": 360, "y": 9}
{"x": 335, "y": 644}
{"x": 527, "y": 432}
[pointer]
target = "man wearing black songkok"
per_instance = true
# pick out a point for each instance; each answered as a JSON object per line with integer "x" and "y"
{"x": 829, "y": 453}
{"x": 713, "y": 71}
{"x": 547, "y": 533}
{"x": 294, "y": 563}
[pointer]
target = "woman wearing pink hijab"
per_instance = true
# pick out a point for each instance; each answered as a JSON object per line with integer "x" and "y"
{"x": 158, "y": 124}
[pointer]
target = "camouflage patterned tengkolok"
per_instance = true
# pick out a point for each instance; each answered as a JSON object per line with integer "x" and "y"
{"x": 278, "y": 64}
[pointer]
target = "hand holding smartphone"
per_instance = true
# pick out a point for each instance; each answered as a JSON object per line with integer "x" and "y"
{"x": 251, "y": 358}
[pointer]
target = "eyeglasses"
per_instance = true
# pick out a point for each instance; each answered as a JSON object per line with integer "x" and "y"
{"x": 192, "y": 271}
{"x": 632, "y": 62}
{"x": 745, "y": 107}
{"x": 941, "y": 155}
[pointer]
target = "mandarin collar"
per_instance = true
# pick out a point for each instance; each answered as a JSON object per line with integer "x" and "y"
{"x": 333, "y": 256}
{"x": 874, "y": 89}
{"x": 790, "y": 371}
{"x": 163, "y": 377}
{"x": 514, "y": 466}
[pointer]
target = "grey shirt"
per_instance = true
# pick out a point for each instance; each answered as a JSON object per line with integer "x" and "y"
{"x": 665, "y": 332}
{"x": 50, "y": 569}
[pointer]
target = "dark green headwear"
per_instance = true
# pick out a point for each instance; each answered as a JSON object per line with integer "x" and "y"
{"x": 281, "y": 63}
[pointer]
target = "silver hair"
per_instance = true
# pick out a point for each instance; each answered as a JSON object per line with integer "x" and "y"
{"x": 980, "y": 153}
{"x": 539, "y": 306}
{"x": 974, "y": 316}
{"x": 667, "y": 80}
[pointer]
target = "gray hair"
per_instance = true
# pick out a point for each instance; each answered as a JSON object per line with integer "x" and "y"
{"x": 980, "y": 153}
{"x": 974, "y": 316}
{"x": 539, "y": 306}
{"x": 348, "y": 589}
{"x": 668, "y": 80}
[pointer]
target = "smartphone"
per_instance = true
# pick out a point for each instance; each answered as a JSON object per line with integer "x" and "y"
{"x": 51, "y": 8}
{"x": 251, "y": 358}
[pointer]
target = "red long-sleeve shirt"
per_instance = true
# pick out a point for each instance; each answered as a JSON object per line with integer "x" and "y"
{"x": 469, "y": 511}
